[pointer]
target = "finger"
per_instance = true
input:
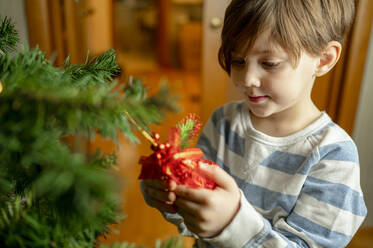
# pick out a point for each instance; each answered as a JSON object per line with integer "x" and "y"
{"x": 187, "y": 216}
{"x": 162, "y": 206}
{"x": 216, "y": 173}
{"x": 197, "y": 195}
{"x": 160, "y": 195}
{"x": 186, "y": 206}
{"x": 156, "y": 183}
{"x": 172, "y": 185}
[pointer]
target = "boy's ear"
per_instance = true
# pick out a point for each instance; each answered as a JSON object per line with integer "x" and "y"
{"x": 328, "y": 58}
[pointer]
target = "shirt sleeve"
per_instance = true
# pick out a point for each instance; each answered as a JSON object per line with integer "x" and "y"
{"x": 329, "y": 210}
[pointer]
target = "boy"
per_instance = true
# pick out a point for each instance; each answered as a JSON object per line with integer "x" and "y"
{"x": 290, "y": 176}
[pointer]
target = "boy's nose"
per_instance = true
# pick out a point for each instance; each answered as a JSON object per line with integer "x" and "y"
{"x": 251, "y": 79}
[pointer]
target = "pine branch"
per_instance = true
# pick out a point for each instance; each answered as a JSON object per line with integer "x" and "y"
{"x": 101, "y": 68}
{"x": 73, "y": 197}
{"x": 8, "y": 35}
{"x": 31, "y": 79}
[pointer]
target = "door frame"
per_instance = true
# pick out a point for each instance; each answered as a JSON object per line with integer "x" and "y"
{"x": 354, "y": 66}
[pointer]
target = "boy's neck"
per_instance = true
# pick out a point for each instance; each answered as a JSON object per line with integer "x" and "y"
{"x": 285, "y": 123}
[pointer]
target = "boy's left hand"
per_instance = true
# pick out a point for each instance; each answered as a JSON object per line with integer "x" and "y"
{"x": 207, "y": 212}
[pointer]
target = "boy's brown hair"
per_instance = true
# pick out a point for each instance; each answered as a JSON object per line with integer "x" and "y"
{"x": 297, "y": 25}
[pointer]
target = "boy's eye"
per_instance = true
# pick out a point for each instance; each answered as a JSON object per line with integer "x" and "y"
{"x": 238, "y": 62}
{"x": 269, "y": 64}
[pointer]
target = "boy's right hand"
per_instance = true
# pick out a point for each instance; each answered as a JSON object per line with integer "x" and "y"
{"x": 159, "y": 194}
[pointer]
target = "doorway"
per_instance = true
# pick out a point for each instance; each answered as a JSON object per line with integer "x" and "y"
{"x": 156, "y": 41}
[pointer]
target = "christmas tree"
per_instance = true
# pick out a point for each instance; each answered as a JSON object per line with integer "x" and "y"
{"x": 51, "y": 195}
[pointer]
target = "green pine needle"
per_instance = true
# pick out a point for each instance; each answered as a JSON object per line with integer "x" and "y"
{"x": 188, "y": 127}
{"x": 8, "y": 35}
{"x": 101, "y": 68}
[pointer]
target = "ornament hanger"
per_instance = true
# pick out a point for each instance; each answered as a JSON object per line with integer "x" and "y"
{"x": 146, "y": 134}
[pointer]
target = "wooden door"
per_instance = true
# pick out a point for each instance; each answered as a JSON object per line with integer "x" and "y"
{"x": 70, "y": 27}
{"x": 337, "y": 92}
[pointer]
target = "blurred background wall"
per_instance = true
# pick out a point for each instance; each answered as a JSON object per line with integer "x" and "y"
{"x": 363, "y": 132}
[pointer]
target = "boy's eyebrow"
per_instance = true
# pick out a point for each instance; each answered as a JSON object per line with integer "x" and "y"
{"x": 264, "y": 51}
{"x": 267, "y": 51}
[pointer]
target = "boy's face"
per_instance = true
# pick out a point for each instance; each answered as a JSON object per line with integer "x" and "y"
{"x": 269, "y": 81}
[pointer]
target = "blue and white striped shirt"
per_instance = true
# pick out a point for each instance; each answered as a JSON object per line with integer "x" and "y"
{"x": 302, "y": 190}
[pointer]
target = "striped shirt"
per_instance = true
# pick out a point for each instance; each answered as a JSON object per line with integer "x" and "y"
{"x": 302, "y": 190}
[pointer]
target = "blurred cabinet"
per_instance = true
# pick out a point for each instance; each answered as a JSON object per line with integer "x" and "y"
{"x": 183, "y": 32}
{"x": 189, "y": 45}
{"x": 162, "y": 32}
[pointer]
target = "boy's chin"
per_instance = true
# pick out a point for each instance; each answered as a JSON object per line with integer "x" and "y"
{"x": 260, "y": 114}
{"x": 261, "y": 111}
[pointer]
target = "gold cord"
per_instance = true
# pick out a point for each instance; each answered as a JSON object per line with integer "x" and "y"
{"x": 142, "y": 130}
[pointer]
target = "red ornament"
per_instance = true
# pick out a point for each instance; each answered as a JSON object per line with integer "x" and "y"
{"x": 179, "y": 165}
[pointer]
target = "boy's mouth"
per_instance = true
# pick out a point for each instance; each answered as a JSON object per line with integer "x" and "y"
{"x": 257, "y": 99}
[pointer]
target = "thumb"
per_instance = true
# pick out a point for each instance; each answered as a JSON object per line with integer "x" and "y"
{"x": 216, "y": 173}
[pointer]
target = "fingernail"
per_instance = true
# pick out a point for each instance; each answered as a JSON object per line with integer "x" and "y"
{"x": 203, "y": 165}
{"x": 172, "y": 185}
